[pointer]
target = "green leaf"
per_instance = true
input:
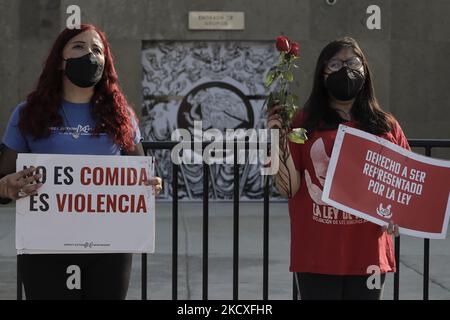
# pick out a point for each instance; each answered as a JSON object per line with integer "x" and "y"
{"x": 292, "y": 113}
{"x": 289, "y": 100}
{"x": 298, "y": 135}
{"x": 288, "y": 75}
{"x": 271, "y": 77}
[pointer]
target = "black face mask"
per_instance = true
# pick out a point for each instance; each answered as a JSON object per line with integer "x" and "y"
{"x": 344, "y": 84}
{"x": 84, "y": 71}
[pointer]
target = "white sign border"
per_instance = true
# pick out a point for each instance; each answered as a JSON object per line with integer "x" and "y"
{"x": 342, "y": 130}
{"x": 43, "y": 156}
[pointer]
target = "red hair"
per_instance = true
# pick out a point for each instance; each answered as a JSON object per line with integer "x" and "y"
{"x": 110, "y": 110}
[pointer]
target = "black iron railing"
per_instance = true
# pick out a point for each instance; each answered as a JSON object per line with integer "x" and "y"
{"x": 427, "y": 144}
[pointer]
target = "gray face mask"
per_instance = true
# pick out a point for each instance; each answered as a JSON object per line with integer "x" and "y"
{"x": 345, "y": 84}
{"x": 84, "y": 71}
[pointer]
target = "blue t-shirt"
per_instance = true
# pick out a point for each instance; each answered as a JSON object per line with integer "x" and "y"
{"x": 78, "y": 122}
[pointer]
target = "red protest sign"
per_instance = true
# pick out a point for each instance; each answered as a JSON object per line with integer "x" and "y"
{"x": 379, "y": 181}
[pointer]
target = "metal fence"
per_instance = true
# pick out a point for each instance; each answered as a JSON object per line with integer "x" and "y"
{"x": 427, "y": 144}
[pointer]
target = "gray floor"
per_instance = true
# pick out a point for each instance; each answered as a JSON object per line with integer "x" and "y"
{"x": 220, "y": 257}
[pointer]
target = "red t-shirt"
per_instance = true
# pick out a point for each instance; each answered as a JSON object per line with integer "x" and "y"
{"x": 318, "y": 245}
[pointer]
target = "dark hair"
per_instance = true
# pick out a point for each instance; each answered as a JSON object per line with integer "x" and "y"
{"x": 110, "y": 110}
{"x": 318, "y": 114}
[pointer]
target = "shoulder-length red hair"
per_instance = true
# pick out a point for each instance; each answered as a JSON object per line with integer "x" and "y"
{"x": 110, "y": 107}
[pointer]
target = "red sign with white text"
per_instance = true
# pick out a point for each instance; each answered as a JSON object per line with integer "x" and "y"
{"x": 379, "y": 181}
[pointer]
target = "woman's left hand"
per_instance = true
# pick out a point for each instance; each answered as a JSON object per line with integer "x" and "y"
{"x": 155, "y": 181}
{"x": 391, "y": 229}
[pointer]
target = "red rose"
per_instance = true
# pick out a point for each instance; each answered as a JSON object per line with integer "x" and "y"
{"x": 295, "y": 48}
{"x": 283, "y": 44}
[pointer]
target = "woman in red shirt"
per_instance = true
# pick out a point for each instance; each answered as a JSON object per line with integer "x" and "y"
{"x": 334, "y": 260}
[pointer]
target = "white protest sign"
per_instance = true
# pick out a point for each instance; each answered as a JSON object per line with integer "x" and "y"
{"x": 87, "y": 204}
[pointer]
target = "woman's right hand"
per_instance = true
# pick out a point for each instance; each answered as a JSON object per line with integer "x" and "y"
{"x": 391, "y": 229}
{"x": 286, "y": 187}
{"x": 274, "y": 120}
{"x": 19, "y": 185}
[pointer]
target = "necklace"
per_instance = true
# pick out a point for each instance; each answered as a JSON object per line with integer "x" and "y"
{"x": 348, "y": 115}
{"x": 75, "y": 134}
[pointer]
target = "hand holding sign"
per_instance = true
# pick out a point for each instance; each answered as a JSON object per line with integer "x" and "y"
{"x": 20, "y": 184}
{"x": 391, "y": 228}
{"x": 381, "y": 182}
{"x": 156, "y": 181}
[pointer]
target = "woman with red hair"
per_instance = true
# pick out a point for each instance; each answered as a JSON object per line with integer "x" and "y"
{"x": 76, "y": 108}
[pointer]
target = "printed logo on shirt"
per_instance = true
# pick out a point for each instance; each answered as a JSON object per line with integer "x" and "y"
{"x": 321, "y": 212}
{"x": 80, "y": 130}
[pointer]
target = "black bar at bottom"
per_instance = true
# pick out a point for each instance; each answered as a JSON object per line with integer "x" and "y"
{"x": 426, "y": 268}
{"x": 294, "y": 287}
{"x": 397, "y": 273}
{"x": 205, "y": 230}
{"x": 174, "y": 232}
{"x": 235, "y": 226}
{"x": 426, "y": 252}
{"x": 266, "y": 239}
{"x": 19, "y": 280}
{"x": 144, "y": 276}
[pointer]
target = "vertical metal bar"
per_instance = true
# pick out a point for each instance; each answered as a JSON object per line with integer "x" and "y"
{"x": 235, "y": 224}
{"x": 426, "y": 253}
{"x": 144, "y": 269}
{"x": 266, "y": 239}
{"x": 397, "y": 273}
{"x": 19, "y": 279}
{"x": 144, "y": 276}
{"x": 294, "y": 288}
{"x": 205, "y": 230}
{"x": 174, "y": 232}
{"x": 426, "y": 268}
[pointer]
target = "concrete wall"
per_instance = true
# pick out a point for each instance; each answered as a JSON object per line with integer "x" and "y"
{"x": 409, "y": 55}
